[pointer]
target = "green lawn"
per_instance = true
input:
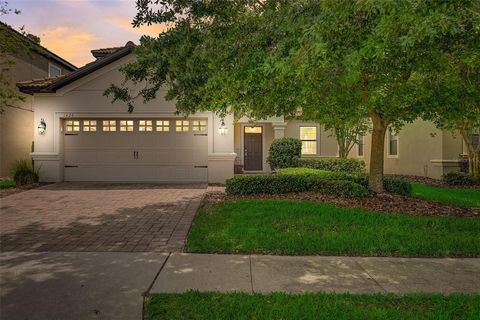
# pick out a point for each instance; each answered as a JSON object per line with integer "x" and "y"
{"x": 310, "y": 228}
{"x": 196, "y": 305}
{"x": 455, "y": 196}
{"x": 4, "y": 184}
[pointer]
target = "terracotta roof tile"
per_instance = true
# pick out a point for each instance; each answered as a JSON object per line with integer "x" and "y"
{"x": 102, "y": 52}
{"x": 37, "y": 85}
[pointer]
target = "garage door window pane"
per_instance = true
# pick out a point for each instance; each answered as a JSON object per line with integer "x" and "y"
{"x": 110, "y": 125}
{"x": 72, "y": 125}
{"x": 145, "y": 125}
{"x": 90, "y": 125}
{"x": 163, "y": 125}
{"x": 182, "y": 125}
{"x": 199, "y": 125}
{"x": 126, "y": 125}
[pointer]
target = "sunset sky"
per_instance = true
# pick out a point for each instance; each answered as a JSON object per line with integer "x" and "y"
{"x": 71, "y": 28}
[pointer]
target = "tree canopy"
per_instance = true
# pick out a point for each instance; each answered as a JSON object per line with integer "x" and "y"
{"x": 332, "y": 59}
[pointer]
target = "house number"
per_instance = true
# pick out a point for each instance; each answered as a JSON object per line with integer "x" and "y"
{"x": 69, "y": 115}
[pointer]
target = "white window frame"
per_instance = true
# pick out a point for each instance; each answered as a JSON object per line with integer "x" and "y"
{"x": 70, "y": 124}
{"x": 183, "y": 124}
{"x": 109, "y": 125}
{"x": 87, "y": 123}
{"x": 389, "y": 132}
{"x": 361, "y": 138}
{"x": 199, "y": 125}
{"x": 147, "y": 124}
{"x": 316, "y": 140}
{"x": 162, "y": 125}
{"x": 50, "y": 65}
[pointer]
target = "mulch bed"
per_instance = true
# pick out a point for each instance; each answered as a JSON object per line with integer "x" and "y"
{"x": 430, "y": 181}
{"x": 10, "y": 191}
{"x": 380, "y": 202}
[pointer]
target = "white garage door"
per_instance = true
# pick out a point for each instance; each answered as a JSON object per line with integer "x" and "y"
{"x": 141, "y": 150}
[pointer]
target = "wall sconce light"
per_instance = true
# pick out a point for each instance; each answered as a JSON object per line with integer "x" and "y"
{"x": 223, "y": 130}
{"x": 42, "y": 127}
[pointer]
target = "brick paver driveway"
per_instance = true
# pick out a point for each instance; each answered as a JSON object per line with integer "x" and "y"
{"x": 99, "y": 217}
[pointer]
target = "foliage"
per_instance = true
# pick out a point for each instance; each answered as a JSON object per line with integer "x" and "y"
{"x": 318, "y": 305}
{"x": 334, "y": 164}
{"x": 287, "y": 183}
{"x": 464, "y": 197}
{"x": 329, "y": 59}
{"x": 284, "y": 153}
{"x": 458, "y": 178}
{"x": 23, "y": 173}
{"x": 392, "y": 185}
{"x": 10, "y": 44}
{"x": 7, "y": 183}
{"x": 283, "y": 227}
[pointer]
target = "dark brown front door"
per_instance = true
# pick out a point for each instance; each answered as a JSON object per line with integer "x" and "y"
{"x": 253, "y": 149}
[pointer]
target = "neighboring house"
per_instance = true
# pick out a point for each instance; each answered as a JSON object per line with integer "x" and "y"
{"x": 16, "y": 122}
{"x": 88, "y": 138}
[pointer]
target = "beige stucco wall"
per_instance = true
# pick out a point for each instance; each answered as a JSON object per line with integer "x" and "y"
{"x": 84, "y": 99}
{"x": 423, "y": 150}
{"x": 17, "y": 121}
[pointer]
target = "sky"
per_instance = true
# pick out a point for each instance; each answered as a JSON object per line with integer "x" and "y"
{"x": 71, "y": 28}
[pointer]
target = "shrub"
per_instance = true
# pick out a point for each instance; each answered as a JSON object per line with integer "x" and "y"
{"x": 458, "y": 178}
{"x": 7, "y": 183}
{"x": 398, "y": 186}
{"x": 286, "y": 183}
{"x": 333, "y": 164}
{"x": 284, "y": 153}
{"x": 24, "y": 173}
{"x": 392, "y": 185}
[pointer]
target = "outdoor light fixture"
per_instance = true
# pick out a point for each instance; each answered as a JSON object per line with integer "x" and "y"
{"x": 42, "y": 127}
{"x": 223, "y": 130}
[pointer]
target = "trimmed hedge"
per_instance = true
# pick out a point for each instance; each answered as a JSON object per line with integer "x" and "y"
{"x": 458, "y": 178}
{"x": 286, "y": 183}
{"x": 333, "y": 164}
{"x": 284, "y": 153}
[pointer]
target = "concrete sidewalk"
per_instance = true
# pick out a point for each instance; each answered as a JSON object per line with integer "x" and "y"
{"x": 253, "y": 273}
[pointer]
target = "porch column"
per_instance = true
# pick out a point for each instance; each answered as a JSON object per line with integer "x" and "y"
{"x": 279, "y": 129}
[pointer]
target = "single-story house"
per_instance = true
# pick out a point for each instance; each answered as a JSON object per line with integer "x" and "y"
{"x": 87, "y": 138}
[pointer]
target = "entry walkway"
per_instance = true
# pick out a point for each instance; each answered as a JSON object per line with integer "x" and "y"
{"x": 254, "y": 273}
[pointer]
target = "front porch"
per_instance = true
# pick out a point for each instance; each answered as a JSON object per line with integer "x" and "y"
{"x": 252, "y": 142}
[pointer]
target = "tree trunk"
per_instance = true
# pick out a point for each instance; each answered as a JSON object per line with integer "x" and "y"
{"x": 473, "y": 154}
{"x": 342, "y": 150}
{"x": 379, "y": 128}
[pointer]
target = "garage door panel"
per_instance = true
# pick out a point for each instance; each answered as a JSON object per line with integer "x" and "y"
{"x": 136, "y": 156}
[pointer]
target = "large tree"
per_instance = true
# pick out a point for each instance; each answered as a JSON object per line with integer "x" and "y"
{"x": 456, "y": 79}
{"x": 329, "y": 58}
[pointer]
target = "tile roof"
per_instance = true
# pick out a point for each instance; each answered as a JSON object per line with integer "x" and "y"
{"x": 102, "y": 52}
{"x": 51, "y": 84}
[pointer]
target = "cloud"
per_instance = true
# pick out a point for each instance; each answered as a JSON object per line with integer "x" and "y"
{"x": 126, "y": 24}
{"x": 70, "y": 43}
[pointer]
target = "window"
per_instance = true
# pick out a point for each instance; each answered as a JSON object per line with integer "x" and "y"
{"x": 182, "y": 125}
{"x": 145, "y": 125}
{"x": 126, "y": 125}
{"x": 163, "y": 125}
{"x": 360, "y": 145}
{"x": 199, "y": 125}
{"x": 110, "y": 125}
{"x": 392, "y": 143}
{"x": 90, "y": 125}
{"x": 72, "y": 125}
{"x": 475, "y": 140}
{"x": 54, "y": 71}
{"x": 253, "y": 129}
{"x": 308, "y": 135}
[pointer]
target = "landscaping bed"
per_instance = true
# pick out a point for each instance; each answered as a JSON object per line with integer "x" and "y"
{"x": 4, "y": 192}
{"x": 287, "y": 227}
{"x": 215, "y": 305}
{"x": 379, "y": 203}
